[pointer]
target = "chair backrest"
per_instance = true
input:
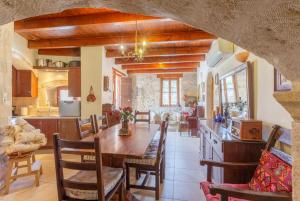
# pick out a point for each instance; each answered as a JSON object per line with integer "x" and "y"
{"x": 62, "y": 164}
{"x": 100, "y": 118}
{"x": 142, "y": 116}
{"x": 280, "y": 137}
{"x": 85, "y": 127}
{"x": 162, "y": 140}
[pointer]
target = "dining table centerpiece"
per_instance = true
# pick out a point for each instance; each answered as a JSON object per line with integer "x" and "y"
{"x": 126, "y": 116}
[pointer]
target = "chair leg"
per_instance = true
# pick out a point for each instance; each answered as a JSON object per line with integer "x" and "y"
{"x": 37, "y": 178}
{"x": 121, "y": 192}
{"x": 137, "y": 173}
{"x": 8, "y": 177}
{"x": 161, "y": 172}
{"x": 127, "y": 177}
{"x": 157, "y": 184}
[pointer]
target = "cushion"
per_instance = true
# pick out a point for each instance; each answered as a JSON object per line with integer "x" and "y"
{"x": 149, "y": 157}
{"x": 111, "y": 176}
{"x": 210, "y": 197}
{"x": 272, "y": 175}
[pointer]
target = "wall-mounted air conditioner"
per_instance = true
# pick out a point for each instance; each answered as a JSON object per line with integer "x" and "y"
{"x": 220, "y": 50}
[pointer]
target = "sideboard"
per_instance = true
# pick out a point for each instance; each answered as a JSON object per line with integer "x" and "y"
{"x": 217, "y": 144}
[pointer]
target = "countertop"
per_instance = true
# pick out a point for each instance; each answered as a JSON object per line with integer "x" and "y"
{"x": 44, "y": 117}
{"x": 217, "y": 128}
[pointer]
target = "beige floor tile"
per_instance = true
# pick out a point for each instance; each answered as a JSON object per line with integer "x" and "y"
{"x": 187, "y": 191}
{"x": 184, "y": 175}
{"x": 187, "y": 164}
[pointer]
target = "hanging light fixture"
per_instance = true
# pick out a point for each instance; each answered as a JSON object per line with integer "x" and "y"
{"x": 139, "y": 48}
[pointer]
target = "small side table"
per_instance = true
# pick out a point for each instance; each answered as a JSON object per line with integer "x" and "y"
{"x": 34, "y": 168}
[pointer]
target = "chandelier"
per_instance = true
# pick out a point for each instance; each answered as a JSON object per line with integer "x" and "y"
{"x": 139, "y": 48}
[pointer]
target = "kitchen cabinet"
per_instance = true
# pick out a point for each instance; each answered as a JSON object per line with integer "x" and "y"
{"x": 74, "y": 82}
{"x": 218, "y": 145}
{"x": 26, "y": 83}
{"x": 65, "y": 127}
{"x": 14, "y": 82}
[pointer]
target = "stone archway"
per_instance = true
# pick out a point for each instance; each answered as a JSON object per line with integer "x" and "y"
{"x": 270, "y": 29}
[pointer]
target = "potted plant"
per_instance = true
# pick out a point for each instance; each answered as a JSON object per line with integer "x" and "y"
{"x": 126, "y": 116}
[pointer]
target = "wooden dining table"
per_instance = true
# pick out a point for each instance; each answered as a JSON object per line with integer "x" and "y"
{"x": 115, "y": 148}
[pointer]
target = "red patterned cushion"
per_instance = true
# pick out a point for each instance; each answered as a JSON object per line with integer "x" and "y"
{"x": 210, "y": 197}
{"x": 272, "y": 175}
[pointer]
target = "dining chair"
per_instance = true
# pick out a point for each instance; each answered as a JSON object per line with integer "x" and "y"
{"x": 92, "y": 181}
{"x": 142, "y": 116}
{"x": 150, "y": 164}
{"x": 100, "y": 118}
{"x": 85, "y": 127}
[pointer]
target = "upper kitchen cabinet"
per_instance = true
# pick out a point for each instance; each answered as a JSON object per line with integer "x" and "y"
{"x": 25, "y": 83}
{"x": 74, "y": 82}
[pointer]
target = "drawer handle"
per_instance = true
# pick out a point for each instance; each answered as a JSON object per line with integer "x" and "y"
{"x": 215, "y": 142}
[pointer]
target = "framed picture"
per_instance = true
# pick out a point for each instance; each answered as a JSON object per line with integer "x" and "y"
{"x": 280, "y": 82}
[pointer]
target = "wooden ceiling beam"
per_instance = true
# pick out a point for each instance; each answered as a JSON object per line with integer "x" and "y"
{"x": 163, "y": 51}
{"x": 161, "y": 59}
{"x": 156, "y": 71}
{"x": 115, "y": 40}
{"x": 161, "y": 66}
{"x": 28, "y": 25}
{"x": 73, "y": 52}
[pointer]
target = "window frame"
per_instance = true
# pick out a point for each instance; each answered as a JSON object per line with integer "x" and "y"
{"x": 169, "y": 92}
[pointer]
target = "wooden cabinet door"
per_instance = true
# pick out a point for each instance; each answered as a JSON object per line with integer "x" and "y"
{"x": 208, "y": 149}
{"x": 24, "y": 83}
{"x": 14, "y": 82}
{"x": 126, "y": 92}
{"x": 49, "y": 126}
{"x": 74, "y": 82}
{"x": 217, "y": 172}
{"x": 67, "y": 129}
{"x": 36, "y": 123}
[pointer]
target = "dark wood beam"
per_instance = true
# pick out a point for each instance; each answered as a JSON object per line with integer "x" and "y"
{"x": 60, "y": 22}
{"x": 115, "y": 40}
{"x": 163, "y": 51}
{"x": 161, "y": 66}
{"x": 162, "y": 70}
{"x": 74, "y": 52}
{"x": 163, "y": 59}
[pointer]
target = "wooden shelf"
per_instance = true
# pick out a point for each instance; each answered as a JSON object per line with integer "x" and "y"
{"x": 54, "y": 68}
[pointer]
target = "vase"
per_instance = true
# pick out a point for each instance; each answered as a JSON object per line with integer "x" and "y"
{"x": 125, "y": 125}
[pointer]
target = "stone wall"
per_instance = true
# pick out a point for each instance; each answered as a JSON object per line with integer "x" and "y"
{"x": 6, "y": 41}
{"x": 146, "y": 92}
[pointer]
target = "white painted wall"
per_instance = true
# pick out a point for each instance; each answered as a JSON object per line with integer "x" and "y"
{"x": 108, "y": 65}
{"x": 91, "y": 75}
{"x": 23, "y": 57}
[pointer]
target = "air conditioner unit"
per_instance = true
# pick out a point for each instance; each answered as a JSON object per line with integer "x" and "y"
{"x": 220, "y": 50}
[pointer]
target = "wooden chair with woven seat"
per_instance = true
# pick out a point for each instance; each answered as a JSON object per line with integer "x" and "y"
{"x": 150, "y": 164}
{"x": 92, "y": 181}
{"x": 100, "y": 118}
{"x": 142, "y": 116}
{"x": 85, "y": 127}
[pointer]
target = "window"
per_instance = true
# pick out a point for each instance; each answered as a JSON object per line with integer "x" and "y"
{"x": 169, "y": 92}
{"x": 117, "y": 79}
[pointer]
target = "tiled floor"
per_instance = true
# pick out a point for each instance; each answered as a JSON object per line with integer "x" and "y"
{"x": 183, "y": 175}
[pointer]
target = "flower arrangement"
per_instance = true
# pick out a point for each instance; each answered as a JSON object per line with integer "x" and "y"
{"x": 126, "y": 116}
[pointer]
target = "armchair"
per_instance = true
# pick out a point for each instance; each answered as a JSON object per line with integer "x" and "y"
{"x": 271, "y": 181}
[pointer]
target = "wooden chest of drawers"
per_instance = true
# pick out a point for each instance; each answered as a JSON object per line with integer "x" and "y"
{"x": 219, "y": 145}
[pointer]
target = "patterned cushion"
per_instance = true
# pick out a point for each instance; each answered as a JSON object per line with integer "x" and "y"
{"x": 210, "y": 197}
{"x": 89, "y": 158}
{"x": 272, "y": 175}
{"x": 111, "y": 176}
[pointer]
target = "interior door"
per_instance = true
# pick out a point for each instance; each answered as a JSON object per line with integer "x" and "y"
{"x": 126, "y": 92}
